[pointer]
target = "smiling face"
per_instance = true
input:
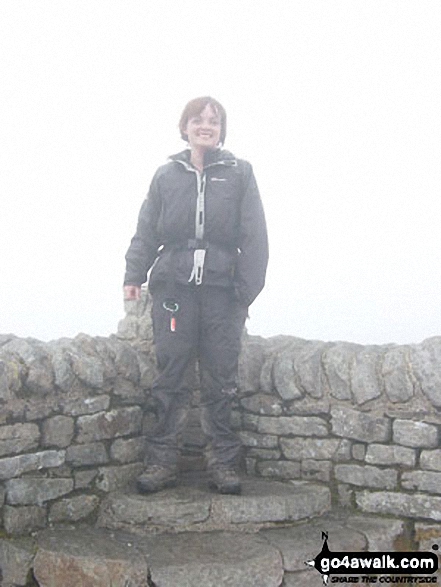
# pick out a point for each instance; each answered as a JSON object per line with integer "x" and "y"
{"x": 204, "y": 130}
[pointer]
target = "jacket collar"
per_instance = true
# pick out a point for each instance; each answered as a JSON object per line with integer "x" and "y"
{"x": 214, "y": 157}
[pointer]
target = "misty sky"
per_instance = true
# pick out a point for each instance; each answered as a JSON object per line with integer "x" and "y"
{"x": 336, "y": 103}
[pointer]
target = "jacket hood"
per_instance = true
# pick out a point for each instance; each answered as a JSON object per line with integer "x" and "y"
{"x": 212, "y": 156}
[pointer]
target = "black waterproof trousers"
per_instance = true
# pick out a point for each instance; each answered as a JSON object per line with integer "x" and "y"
{"x": 207, "y": 325}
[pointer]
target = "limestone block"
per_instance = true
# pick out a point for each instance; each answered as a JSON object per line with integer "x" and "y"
{"x": 380, "y": 533}
{"x": 313, "y": 470}
{"x": 16, "y": 557}
{"x": 126, "y": 359}
{"x": 279, "y": 469}
{"x": 415, "y": 505}
{"x": 236, "y": 560}
{"x": 88, "y": 369}
{"x": 383, "y": 454}
{"x": 17, "y": 438}
{"x": 365, "y": 382}
{"x": 114, "y": 478}
{"x": 308, "y": 366}
{"x": 127, "y": 392}
{"x": 264, "y": 404}
{"x": 105, "y": 425}
{"x": 39, "y": 378}
{"x": 85, "y": 479}
{"x": 307, "y": 578}
{"x": 23, "y": 520}
{"x": 69, "y": 558}
{"x": 250, "y": 422}
{"x": 36, "y": 490}
{"x": 81, "y": 406}
{"x": 16, "y": 466}
{"x": 337, "y": 361}
{"x": 12, "y": 374}
{"x": 366, "y": 476}
{"x": 127, "y": 451}
{"x": 81, "y": 455}
{"x": 360, "y": 425}
{"x": 299, "y": 425}
{"x": 304, "y": 541}
{"x": 73, "y": 509}
{"x": 395, "y": 372}
{"x": 359, "y": 451}
{"x": 426, "y": 362}
{"x": 259, "y": 440}
{"x": 415, "y": 434}
{"x": 422, "y": 481}
{"x": 315, "y": 448}
{"x": 431, "y": 459}
{"x": 308, "y": 407}
{"x": 64, "y": 376}
{"x": 284, "y": 377}
{"x": 58, "y": 431}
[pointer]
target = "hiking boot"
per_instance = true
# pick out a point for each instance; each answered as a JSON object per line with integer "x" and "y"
{"x": 155, "y": 478}
{"x": 225, "y": 480}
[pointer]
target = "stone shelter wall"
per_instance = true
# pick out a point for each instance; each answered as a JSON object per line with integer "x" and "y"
{"x": 363, "y": 420}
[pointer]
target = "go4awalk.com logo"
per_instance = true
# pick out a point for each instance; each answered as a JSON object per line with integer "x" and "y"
{"x": 398, "y": 568}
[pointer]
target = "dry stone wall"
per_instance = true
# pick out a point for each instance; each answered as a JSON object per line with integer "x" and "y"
{"x": 363, "y": 420}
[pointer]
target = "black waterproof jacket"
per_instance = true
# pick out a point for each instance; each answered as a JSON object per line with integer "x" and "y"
{"x": 234, "y": 234}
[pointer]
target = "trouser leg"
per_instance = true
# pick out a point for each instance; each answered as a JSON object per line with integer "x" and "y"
{"x": 220, "y": 331}
{"x": 171, "y": 390}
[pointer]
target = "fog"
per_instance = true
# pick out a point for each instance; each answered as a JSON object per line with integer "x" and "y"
{"x": 335, "y": 103}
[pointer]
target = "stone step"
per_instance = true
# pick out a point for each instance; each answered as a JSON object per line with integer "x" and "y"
{"x": 67, "y": 556}
{"x": 192, "y": 507}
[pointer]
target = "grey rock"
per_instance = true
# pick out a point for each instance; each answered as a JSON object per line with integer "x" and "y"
{"x": 250, "y": 363}
{"x": 415, "y": 434}
{"x": 415, "y": 505}
{"x": 264, "y": 454}
{"x": 12, "y": 374}
{"x": 23, "y": 520}
{"x": 115, "y": 478}
{"x": 299, "y": 425}
{"x": 104, "y": 425}
{"x": 313, "y": 470}
{"x": 69, "y": 558}
{"x": 396, "y": 375}
{"x": 88, "y": 369}
{"x": 338, "y": 361}
{"x": 18, "y": 438}
{"x": 426, "y": 535}
{"x": 308, "y": 407}
{"x": 365, "y": 381}
{"x": 73, "y": 509}
{"x": 81, "y": 406}
{"x": 359, "y": 452}
{"x": 360, "y": 425}
{"x": 127, "y": 392}
{"x": 39, "y": 375}
{"x": 426, "y": 360}
{"x": 314, "y": 448}
{"x": 264, "y": 404}
{"x": 127, "y": 451}
{"x": 284, "y": 376}
{"x": 16, "y": 466}
{"x": 304, "y": 541}
{"x": 345, "y": 495}
{"x": 431, "y": 459}
{"x": 58, "y": 431}
{"x": 174, "y": 509}
{"x": 275, "y": 469}
{"x": 2, "y": 496}
{"x": 81, "y": 455}
{"x": 38, "y": 408}
{"x": 306, "y": 578}
{"x": 308, "y": 365}
{"x": 422, "y": 481}
{"x": 16, "y": 557}
{"x": 380, "y": 533}
{"x": 126, "y": 360}
{"x": 61, "y": 364}
{"x": 250, "y": 422}
{"x": 383, "y": 454}
{"x": 254, "y": 440}
{"x": 235, "y": 560}
{"x": 36, "y": 491}
{"x": 271, "y": 501}
{"x": 85, "y": 479}
{"x": 366, "y": 476}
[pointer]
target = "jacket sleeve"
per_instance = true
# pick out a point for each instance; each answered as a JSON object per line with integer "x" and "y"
{"x": 143, "y": 248}
{"x": 252, "y": 260}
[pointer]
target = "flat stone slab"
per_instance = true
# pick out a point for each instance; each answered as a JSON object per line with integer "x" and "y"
{"x": 220, "y": 558}
{"x": 189, "y": 508}
{"x": 88, "y": 557}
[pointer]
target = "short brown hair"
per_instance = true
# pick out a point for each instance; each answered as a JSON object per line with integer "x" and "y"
{"x": 195, "y": 107}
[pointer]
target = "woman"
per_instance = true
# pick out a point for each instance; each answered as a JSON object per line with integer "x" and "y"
{"x": 202, "y": 229}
